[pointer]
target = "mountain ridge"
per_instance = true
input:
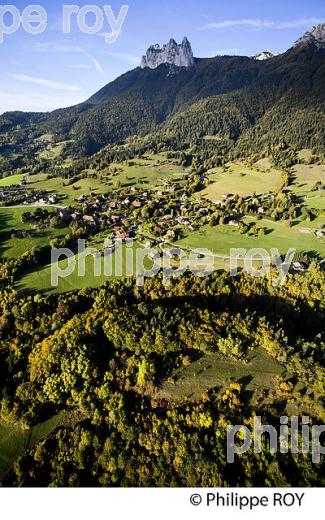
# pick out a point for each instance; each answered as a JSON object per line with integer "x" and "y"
{"x": 315, "y": 36}
{"x": 143, "y": 100}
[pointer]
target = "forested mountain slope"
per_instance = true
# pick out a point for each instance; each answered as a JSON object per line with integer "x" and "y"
{"x": 239, "y": 98}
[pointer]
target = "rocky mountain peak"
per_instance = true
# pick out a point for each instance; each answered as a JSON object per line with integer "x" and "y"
{"x": 316, "y": 36}
{"x": 266, "y": 55}
{"x": 173, "y": 54}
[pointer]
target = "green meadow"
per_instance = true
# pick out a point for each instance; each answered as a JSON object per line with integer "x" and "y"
{"x": 143, "y": 174}
{"x": 304, "y": 185}
{"x": 68, "y": 193}
{"x": 262, "y": 179}
{"x": 118, "y": 265}
{"x": 13, "y": 179}
{"x": 220, "y": 239}
{"x": 14, "y": 440}
{"x": 10, "y": 219}
{"x": 215, "y": 371}
{"x": 52, "y": 151}
{"x": 240, "y": 179}
{"x": 258, "y": 378}
{"x": 147, "y": 172}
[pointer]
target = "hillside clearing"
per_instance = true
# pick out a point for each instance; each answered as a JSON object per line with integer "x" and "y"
{"x": 13, "y": 179}
{"x": 215, "y": 370}
{"x": 241, "y": 180}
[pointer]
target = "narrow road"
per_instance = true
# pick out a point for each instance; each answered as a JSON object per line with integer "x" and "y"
{"x": 26, "y": 206}
{"x": 189, "y": 250}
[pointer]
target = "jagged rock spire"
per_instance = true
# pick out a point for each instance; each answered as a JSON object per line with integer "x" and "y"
{"x": 171, "y": 53}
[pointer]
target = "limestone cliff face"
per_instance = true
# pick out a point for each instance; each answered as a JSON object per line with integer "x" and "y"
{"x": 171, "y": 53}
{"x": 315, "y": 36}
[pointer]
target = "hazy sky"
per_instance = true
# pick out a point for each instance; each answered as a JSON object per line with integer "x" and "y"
{"x": 52, "y": 69}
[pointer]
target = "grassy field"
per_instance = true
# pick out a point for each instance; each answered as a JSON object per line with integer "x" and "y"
{"x": 263, "y": 164}
{"x": 117, "y": 267}
{"x": 215, "y": 370}
{"x": 244, "y": 181}
{"x": 241, "y": 180}
{"x": 14, "y": 440}
{"x": 309, "y": 173}
{"x": 68, "y": 194}
{"x": 141, "y": 173}
{"x": 13, "y": 247}
{"x": 13, "y": 179}
{"x": 52, "y": 151}
{"x": 147, "y": 172}
{"x": 222, "y": 238}
{"x": 258, "y": 379}
{"x": 306, "y": 177}
{"x": 316, "y": 201}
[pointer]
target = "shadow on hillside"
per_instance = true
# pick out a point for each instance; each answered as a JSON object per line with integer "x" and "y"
{"x": 298, "y": 318}
{"x": 5, "y": 220}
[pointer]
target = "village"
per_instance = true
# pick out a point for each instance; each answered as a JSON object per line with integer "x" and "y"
{"x": 163, "y": 214}
{"x": 151, "y": 212}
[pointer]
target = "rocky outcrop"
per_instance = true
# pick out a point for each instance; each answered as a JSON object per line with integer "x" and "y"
{"x": 266, "y": 55}
{"x": 315, "y": 36}
{"x": 171, "y": 53}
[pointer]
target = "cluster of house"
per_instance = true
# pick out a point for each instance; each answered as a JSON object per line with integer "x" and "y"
{"x": 16, "y": 194}
{"x": 10, "y": 193}
{"x": 185, "y": 213}
{"x": 97, "y": 210}
{"x": 123, "y": 216}
{"x": 44, "y": 200}
{"x": 126, "y": 217}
